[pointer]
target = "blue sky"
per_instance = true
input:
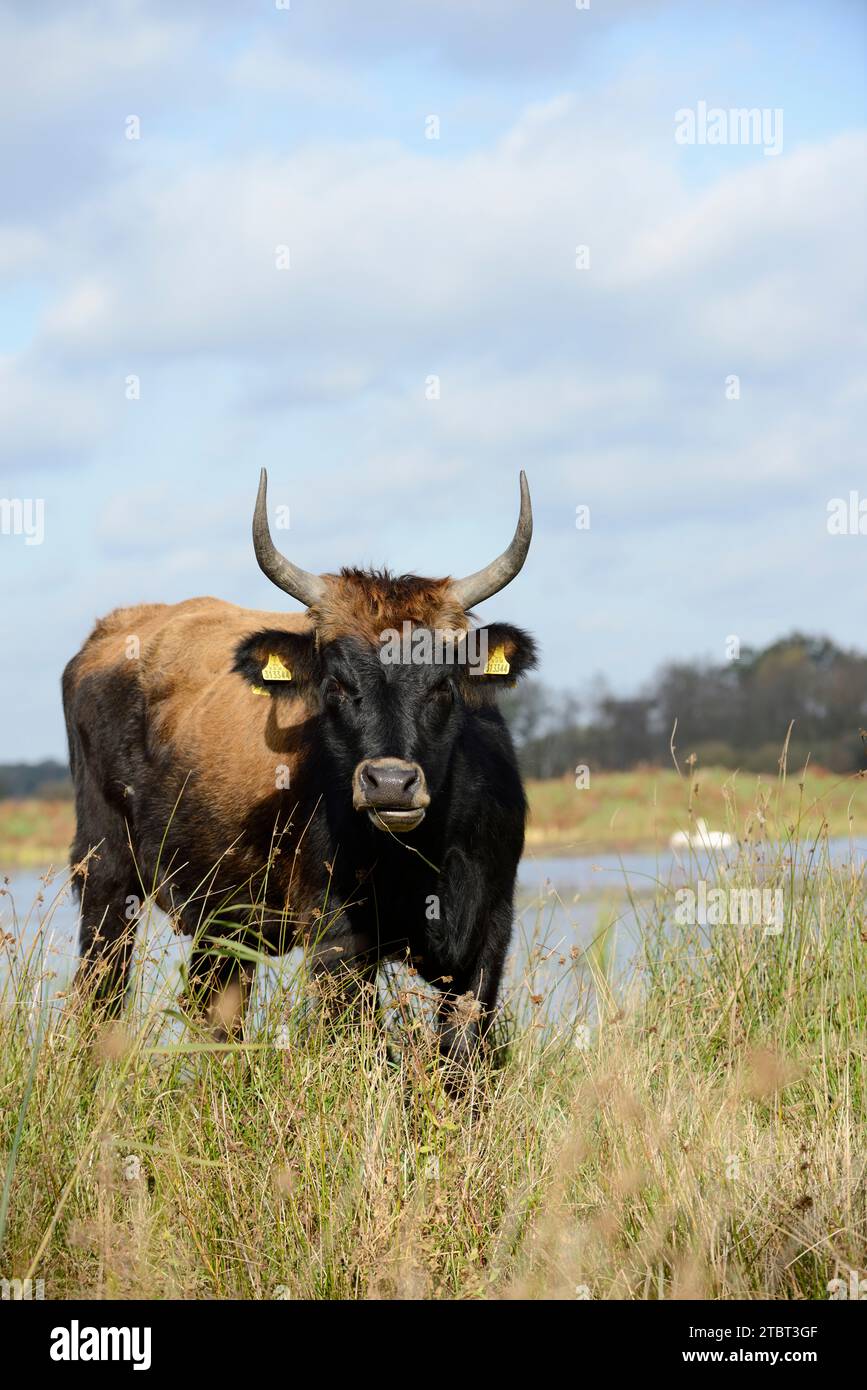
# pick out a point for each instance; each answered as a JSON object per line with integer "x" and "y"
{"x": 412, "y": 257}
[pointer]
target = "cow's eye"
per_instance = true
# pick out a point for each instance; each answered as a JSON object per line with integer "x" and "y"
{"x": 336, "y": 693}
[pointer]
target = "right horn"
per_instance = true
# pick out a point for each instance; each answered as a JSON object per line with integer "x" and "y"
{"x": 306, "y": 587}
{"x": 499, "y": 572}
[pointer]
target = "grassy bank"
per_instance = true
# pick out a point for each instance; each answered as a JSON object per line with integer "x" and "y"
{"x": 697, "y": 1130}
{"x": 618, "y": 811}
{"x": 642, "y": 808}
{"x": 34, "y": 833}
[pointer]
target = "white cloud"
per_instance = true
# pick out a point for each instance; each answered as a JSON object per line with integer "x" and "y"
{"x": 263, "y": 67}
{"x": 396, "y": 256}
{"x": 72, "y": 56}
{"x": 46, "y": 416}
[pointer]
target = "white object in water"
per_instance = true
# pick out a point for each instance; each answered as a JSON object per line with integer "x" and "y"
{"x": 701, "y": 838}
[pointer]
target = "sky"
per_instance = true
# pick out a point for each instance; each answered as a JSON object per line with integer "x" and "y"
{"x": 397, "y": 252}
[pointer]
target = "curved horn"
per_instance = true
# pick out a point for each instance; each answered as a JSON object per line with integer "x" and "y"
{"x": 308, "y": 588}
{"x": 499, "y": 572}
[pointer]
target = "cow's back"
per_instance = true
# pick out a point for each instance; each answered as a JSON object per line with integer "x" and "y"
{"x": 157, "y": 716}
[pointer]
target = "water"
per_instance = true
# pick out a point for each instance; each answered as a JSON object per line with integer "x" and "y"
{"x": 575, "y": 906}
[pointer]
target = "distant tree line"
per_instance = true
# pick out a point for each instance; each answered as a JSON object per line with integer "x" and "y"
{"x": 730, "y": 714}
{"x": 48, "y": 780}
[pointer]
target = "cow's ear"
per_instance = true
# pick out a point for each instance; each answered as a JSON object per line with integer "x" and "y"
{"x": 505, "y": 654}
{"x": 278, "y": 662}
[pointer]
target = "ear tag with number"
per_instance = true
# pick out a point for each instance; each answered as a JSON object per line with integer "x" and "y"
{"x": 274, "y": 670}
{"x": 497, "y": 663}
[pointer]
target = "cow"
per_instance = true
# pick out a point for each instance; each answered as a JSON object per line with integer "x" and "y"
{"x": 339, "y": 778}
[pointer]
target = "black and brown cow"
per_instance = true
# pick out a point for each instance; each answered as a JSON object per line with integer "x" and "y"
{"x": 305, "y": 778}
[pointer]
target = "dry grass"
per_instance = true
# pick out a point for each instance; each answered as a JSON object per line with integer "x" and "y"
{"x": 695, "y": 1130}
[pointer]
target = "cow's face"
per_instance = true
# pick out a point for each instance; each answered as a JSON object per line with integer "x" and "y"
{"x": 391, "y": 712}
{"x": 390, "y": 723}
{"x": 395, "y": 711}
{"x": 394, "y": 724}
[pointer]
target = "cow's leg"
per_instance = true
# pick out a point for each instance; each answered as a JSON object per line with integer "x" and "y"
{"x": 470, "y": 989}
{"x": 110, "y": 897}
{"x": 218, "y": 988}
{"x": 106, "y": 940}
{"x": 344, "y": 968}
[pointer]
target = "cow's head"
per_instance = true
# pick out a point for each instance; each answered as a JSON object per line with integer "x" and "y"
{"x": 393, "y": 665}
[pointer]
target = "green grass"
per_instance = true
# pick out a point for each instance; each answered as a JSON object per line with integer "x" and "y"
{"x": 697, "y": 1129}
{"x": 640, "y": 809}
{"x": 35, "y": 833}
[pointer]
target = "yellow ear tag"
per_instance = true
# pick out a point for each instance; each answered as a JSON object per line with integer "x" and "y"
{"x": 497, "y": 663}
{"x": 257, "y": 690}
{"x": 274, "y": 670}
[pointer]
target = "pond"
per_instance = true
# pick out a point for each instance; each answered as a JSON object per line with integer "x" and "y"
{"x": 569, "y": 912}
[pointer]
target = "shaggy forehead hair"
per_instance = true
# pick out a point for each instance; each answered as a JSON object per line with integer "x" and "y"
{"x": 364, "y": 603}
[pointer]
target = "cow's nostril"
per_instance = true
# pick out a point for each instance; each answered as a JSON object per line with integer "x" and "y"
{"x": 390, "y": 783}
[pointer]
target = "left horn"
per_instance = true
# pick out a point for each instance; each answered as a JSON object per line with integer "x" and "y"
{"x": 306, "y": 587}
{"x": 501, "y": 571}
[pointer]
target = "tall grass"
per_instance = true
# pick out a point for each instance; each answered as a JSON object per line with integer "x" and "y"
{"x": 695, "y": 1127}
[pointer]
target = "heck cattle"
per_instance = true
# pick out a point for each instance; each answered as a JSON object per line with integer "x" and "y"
{"x": 340, "y": 778}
